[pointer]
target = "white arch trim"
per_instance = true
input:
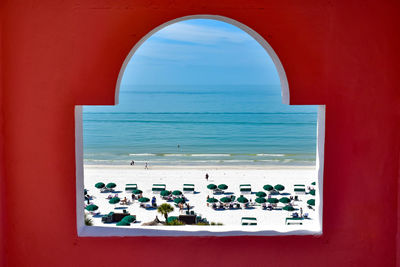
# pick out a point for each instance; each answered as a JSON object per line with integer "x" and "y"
{"x": 83, "y": 230}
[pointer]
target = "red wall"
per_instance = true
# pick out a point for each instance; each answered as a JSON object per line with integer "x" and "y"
{"x": 344, "y": 54}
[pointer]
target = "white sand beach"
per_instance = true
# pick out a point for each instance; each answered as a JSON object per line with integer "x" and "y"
{"x": 175, "y": 177}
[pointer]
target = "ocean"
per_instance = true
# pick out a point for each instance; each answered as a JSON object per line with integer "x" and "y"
{"x": 200, "y": 125}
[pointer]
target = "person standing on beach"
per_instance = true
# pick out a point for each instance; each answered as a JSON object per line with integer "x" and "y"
{"x": 207, "y": 177}
{"x": 146, "y": 166}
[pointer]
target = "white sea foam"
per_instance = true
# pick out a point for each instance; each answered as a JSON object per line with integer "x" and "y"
{"x": 143, "y": 154}
{"x": 271, "y": 155}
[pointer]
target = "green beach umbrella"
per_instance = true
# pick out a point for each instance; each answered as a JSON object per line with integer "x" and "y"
{"x": 137, "y": 192}
{"x": 313, "y": 183}
{"x": 177, "y": 193}
{"x": 178, "y": 200}
{"x": 242, "y": 199}
{"x": 165, "y": 193}
{"x": 312, "y": 192}
{"x": 261, "y": 194}
{"x": 268, "y": 187}
{"x": 99, "y": 185}
{"x": 279, "y": 187}
{"x": 273, "y": 200}
{"x": 114, "y": 200}
{"x": 261, "y": 200}
{"x": 212, "y": 200}
{"x": 129, "y": 219}
{"x": 225, "y": 200}
{"x": 288, "y": 208}
{"x": 223, "y": 186}
{"x": 91, "y": 208}
{"x": 311, "y": 202}
{"x": 123, "y": 223}
{"x": 284, "y": 200}
{"x": 143, "y": 199}
{"x": 111, "y": 185}
{"x": 211, "y": 186}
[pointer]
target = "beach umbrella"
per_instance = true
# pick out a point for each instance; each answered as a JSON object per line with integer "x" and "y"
{"x": 114, "y": 200}
{"x": 268, "y": 187}
{"x": 111, "y": 185}
{"x": 225, "y": 200}
{"x": 261, "y": 200}
{"x": 129, "y": 219}
{"x": 212, "y": 200}
{"x": 261, "y": 194}
{"x": 279, "y": 187}
{"x": 165, "y": 193}
{"x": 313, "y": 183}
{"x": 178, "y": 200}
{"x": 137, "y": 192}
{"x": 288, "y": 208}
{"x": 223, "y": 186}
{"x": 311, "y": 202}
{"x": 123, "y": 223}
{"x": 177, "y": 193}
{"x": 212, "y": 186}
{"x": 91, "y": 207}
{"x": 242, "y": 199}
{"x": 143, "y": 199}
{"x": 99, "y": 185}
{"x": 312, "y": 192}
{"x": 273, "y": 200}
{"x": 284, "y": 200}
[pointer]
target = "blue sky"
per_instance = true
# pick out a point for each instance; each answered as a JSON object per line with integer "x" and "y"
{"x": 200, "y": 52}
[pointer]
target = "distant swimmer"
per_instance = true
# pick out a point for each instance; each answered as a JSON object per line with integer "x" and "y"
{"x": 132, "y": 163}
{"x": 179, "y": 146}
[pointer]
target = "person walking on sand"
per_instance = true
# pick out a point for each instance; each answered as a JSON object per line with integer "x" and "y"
{"x": 146, "y": 166}
{"x": 207, "y": 177}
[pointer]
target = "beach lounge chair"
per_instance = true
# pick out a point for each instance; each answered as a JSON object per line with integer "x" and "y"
{"x": 296, "y": 220}
{"x": 249, "y": 221}
{"x": 188, "y": 188}
{"x": 299, "y": 189}
{"x": 157, "y": 188}
{"x": 130, "y": 187}
{"x": 245, "y": 188}
{"x": 114, "y": 217}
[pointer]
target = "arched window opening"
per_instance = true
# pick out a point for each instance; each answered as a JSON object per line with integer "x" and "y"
{"x": 202, "y": 136}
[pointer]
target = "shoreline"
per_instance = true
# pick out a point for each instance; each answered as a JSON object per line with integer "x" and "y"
{"x": 201, "y": 167}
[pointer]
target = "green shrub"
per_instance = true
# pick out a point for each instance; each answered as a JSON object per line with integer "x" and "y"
{"x": 175, "y": 222}
{"x": 202, "y": 223}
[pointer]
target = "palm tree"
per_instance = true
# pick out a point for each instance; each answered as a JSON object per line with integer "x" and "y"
{"x": 164, "y": 209}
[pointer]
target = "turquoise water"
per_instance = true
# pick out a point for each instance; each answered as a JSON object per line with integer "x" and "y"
{"x": 200, "y": 125}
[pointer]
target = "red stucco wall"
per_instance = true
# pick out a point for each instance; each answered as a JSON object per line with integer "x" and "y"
{"x": 344, "y": 54}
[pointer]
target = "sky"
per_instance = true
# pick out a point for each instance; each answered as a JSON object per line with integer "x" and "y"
{"x": 200, "y": 52}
